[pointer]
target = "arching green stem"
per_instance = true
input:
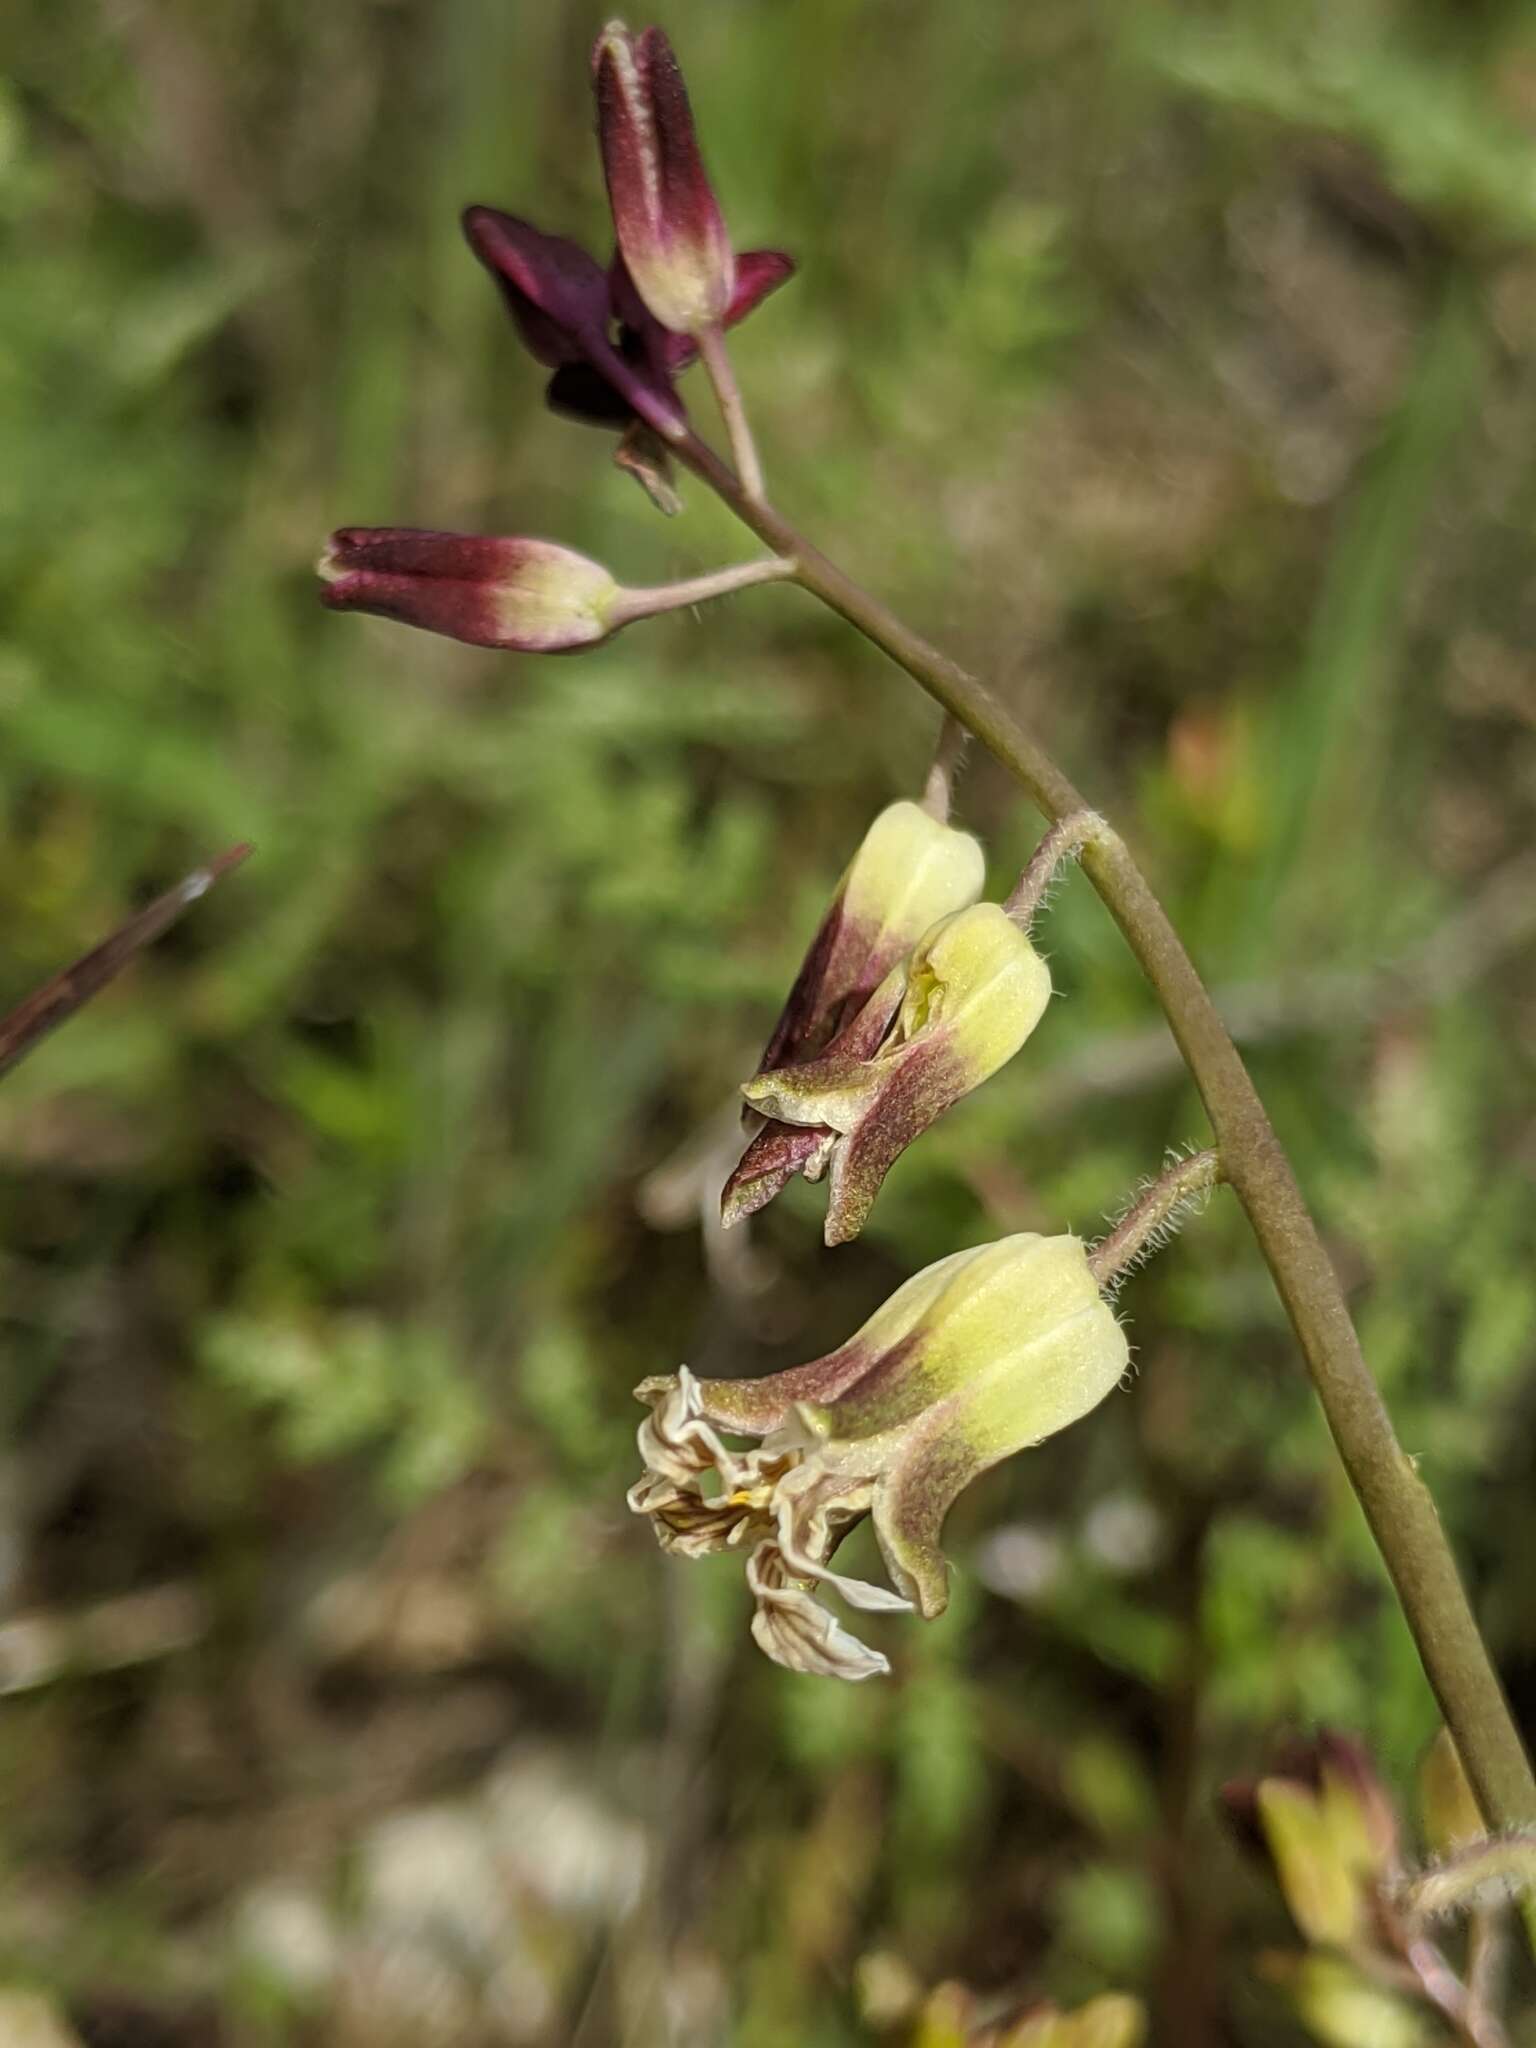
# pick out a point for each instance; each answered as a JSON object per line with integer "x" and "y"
{"x": 1398, "y": 1507}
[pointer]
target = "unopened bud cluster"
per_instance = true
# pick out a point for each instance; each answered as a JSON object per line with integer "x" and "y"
{"x": 1326, "y": 1824}
{"x": 616, "y": 340}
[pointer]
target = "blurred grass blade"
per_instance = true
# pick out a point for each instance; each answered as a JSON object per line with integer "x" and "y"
{"x": 48, "y": 1007}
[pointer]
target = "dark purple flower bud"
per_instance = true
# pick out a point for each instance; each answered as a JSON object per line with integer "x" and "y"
{"x": 666, "y": 216}
{"x": 562, "y": 304}
{"x": 525, "y": 594}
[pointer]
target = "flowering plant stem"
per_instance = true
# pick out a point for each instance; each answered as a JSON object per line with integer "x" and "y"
{"x": 1398, "y": 1506}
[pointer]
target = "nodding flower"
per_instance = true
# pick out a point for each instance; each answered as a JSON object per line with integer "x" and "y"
{"x": 980, "y": 1355}
{"x": 942, "y": 1021}
{"x": 910, "y": 870}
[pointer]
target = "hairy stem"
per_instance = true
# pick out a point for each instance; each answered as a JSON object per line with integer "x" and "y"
{"x": 1398, "y": 1507}
{"x": 939, "y": 789}
{"x": 1468, "y": 1874}
{"x": 1152, "y": 1215}
{"x": 1065, "y": 841}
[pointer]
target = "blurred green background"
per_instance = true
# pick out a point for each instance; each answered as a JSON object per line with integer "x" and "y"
{"x": 1171, "y": 365}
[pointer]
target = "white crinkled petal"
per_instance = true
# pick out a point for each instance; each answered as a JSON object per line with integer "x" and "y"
{"x": 687, "y": 1525}
{"x": 803, "y": 1554}
{"x": 677, "y": 1443}
{"x": 863, "y": 1593}
{"x": 652, "y": 1490}
{"x": 795, "y": 1631}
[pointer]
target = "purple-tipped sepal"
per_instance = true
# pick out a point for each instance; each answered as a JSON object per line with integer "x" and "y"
{"x": 556, "y": 293}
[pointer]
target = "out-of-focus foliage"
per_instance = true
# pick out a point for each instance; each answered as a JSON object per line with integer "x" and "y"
{"x": 1173, "y": 366}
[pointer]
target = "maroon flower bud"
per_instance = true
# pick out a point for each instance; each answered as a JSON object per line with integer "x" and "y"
{"x": 666, "y": 216}
{"x": 525, "y": 594}
{"x": 529, "y": 595}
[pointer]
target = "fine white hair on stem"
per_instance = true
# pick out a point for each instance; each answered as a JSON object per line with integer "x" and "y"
{"x": 1154, "y": 1214}
{"x": 1487, "y": 1873}
{"x": 1063, "y": 844}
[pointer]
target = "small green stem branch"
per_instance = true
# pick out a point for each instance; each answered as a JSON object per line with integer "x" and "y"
{"x": 1153, "y": 1216}
{"x": 1065, "y": 841}
{"x": 717, "y": 367}
{"x": 672, "y": 597}
{"x": 1503, "y": 1864}
{"x": 1397, "y": 1505}
{"x": 1487, "y": 1952}
{"x": 939, "y": 789}
{"x": 1443, "y": 1989}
